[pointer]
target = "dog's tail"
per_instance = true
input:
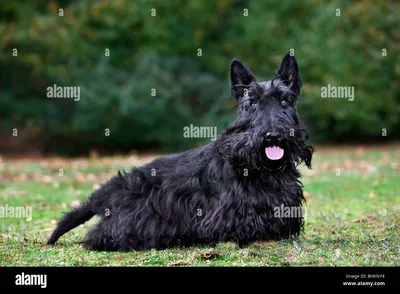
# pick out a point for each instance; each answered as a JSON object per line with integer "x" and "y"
{"x": 70, "y": 220}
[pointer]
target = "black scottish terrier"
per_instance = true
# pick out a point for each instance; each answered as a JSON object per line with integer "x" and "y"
{"x": 224, "y": 191}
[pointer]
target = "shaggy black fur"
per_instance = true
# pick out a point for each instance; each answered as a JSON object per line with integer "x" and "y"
{"x": 224, "y": 191}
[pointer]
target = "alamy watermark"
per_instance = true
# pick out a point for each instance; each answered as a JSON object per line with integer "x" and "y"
{"x": 64, "y": 92}
{"x": 200, "y": 132}
{"x": 283, "y": 211}
{"x": 337, "y": 92}
{"x": 31, "y": 280}
{"x": 16, "y": 212}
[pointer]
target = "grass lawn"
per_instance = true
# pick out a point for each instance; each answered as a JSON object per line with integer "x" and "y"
{"x": 353, "y": 210}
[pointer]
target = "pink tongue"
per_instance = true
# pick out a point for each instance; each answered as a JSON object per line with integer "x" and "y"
{"x": 274, "y": 153}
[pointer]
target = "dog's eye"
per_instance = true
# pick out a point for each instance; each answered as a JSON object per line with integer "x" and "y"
{"x": 284, "y": 103}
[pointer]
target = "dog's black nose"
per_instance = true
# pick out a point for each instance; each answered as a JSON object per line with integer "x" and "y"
{"x": 273, "y": 137}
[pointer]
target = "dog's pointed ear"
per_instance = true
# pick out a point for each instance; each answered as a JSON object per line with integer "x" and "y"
{"x": 241, "y": 76}
{"x": 288, "y": 73}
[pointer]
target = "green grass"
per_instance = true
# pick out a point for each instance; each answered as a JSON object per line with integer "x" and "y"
{"x": 353, "y": 206}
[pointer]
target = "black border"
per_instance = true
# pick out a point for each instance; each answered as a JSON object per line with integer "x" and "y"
{"x": 202, "y": 278}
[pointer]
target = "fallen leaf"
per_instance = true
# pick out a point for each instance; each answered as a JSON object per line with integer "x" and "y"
{"x": 359, "y": 150}
{"x": 75, "y": 203}
{"x": 355, "y": 221}
{"x": 209, "y": 254}
{"x": 6, "y": 176}
{"x": 94, "y": 154}
{"x": 80, "y": 178}
{"x": 179, "y": 262}
{"x": 348, "y": 164}
{"x": 46, "y": 179}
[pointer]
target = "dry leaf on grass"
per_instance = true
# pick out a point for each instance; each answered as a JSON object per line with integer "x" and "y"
{"x": 179, "y": 262}
{"x": 75, "y": 203}
{"x": 95, "y": 186}
{"x": 209, "y": 254}
{"x": 94, "y": 154}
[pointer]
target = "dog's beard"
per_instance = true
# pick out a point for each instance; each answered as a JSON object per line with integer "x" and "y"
{"x": 249, "y": 150}
{"x": 300, "y": 150}
{"x": 246, "y": 150}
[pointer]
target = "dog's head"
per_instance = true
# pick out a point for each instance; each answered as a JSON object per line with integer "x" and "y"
{"x": 267, "y": 133}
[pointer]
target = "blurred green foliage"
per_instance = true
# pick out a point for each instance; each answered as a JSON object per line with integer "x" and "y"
{"x": 160, "y": 52}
